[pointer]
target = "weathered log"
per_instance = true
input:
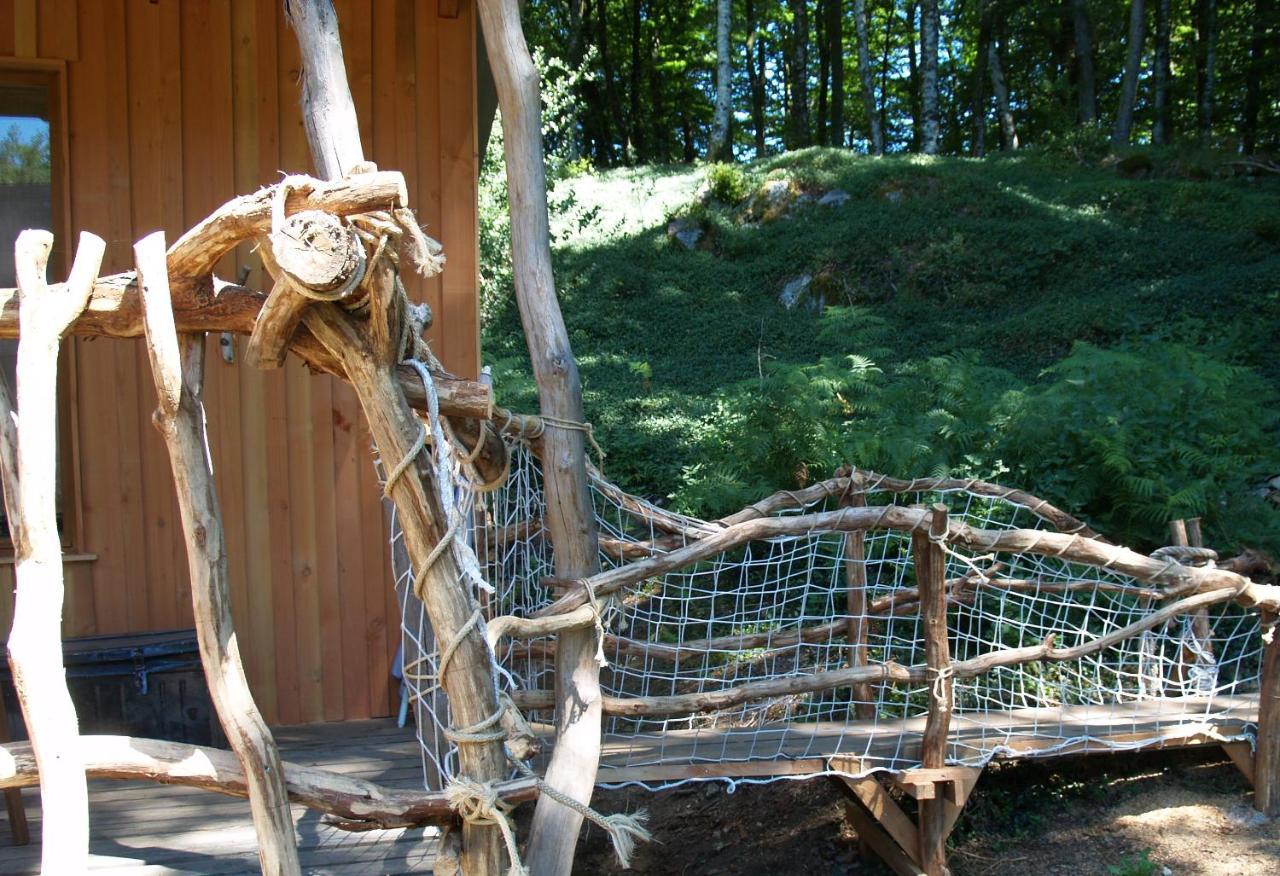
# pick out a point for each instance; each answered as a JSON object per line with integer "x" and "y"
{"x": 35, "y": 640}
{"x": 177, "y": 365}
{"x": 855, "y": 577}
{"x": 570, "y": 516}
{"x": 1266, "y": 757}
{"x": 194, "y": 254}
{"x": 355, "y": 803}
{"x": 1177, "y": 579}
{"x": 368, "y": 357}
{"x": 467, "y": 680}
{"x": 930, "y": 569}
{"x": 723, "y": 698}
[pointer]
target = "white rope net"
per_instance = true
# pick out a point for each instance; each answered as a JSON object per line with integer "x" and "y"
{"x": 779, "y": 608}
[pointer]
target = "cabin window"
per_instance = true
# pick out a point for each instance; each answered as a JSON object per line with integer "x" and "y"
{"x": 30, "y": 153}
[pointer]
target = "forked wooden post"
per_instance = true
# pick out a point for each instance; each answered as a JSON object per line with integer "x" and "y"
{"x": 29, "y": 472}
{"x": 855, "y": 577}
{"x": 570, "y": 518}
{"x": 177, "y": 365}
{"x": 931, "y": 568}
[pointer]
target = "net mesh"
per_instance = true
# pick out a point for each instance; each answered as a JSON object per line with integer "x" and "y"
{"x": 781, "y": 607}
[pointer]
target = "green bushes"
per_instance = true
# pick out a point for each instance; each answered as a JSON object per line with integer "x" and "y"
{"x": 1153, "y": 304}
{"x": 727, "y": 183}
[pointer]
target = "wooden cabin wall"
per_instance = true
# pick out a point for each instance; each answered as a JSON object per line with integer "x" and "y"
{"x": 175, "y": 106}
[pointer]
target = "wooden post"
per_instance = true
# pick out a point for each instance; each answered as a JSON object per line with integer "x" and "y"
{"x": 369, "y": 363}
{"x": 1187, "y": 533}
{"x": 1266, "y": 757}
{"x": 29, "y": 472}
{"x": 931, "y": 573}
{"x": 570, "y": 517}
{"x": 177, "y": 365}
{"x": 855, "y": 575}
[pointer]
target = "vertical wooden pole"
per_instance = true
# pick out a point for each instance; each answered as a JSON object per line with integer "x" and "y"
{"x": 35, "y": 641}
{"x": 1266, "y": 756}
{"x": 855, "y": 576}
{"x": 570, "y": 516}
{"x": 1187, "y": 533}
{"x": 931, "y": 568}
{"x": 177, "y": 365}
{"x": 334, "y": 138}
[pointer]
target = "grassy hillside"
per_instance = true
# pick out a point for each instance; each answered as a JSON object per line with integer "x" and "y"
{"x": 1107, "y": 340}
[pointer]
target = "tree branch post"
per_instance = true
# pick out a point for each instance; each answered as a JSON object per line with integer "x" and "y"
{"x": 29, "y": 471}
{"x": 177, "y": 365}
{"x": 570, "y": 518}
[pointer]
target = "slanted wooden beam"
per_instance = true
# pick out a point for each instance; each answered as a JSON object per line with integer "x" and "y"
{"x": 29, "y": 472}
{"x": 177, "y": 365}
{"x": 368, "y": 354}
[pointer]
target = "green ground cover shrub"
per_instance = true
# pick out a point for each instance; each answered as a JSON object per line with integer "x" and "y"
{"x": 1042, "y": 319}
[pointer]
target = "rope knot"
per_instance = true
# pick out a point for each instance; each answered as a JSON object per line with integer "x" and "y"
{"x": 478, "y": 803}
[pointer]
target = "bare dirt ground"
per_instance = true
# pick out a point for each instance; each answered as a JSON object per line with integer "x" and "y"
{"x": 1188, "y": 812}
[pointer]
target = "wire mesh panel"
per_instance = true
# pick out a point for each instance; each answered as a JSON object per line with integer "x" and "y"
{"x": 779, "y": 608}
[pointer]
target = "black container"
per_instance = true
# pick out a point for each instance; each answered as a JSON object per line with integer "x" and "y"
{"x": 141, "y": 684}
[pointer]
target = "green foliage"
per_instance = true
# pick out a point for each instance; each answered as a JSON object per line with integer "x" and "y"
{"x": 24, "y": 161}
{"x": 1137, "y": 865}
{"x": 1141, "y": 435}
{"x": 981, "y": 295}
{"x": 727, "y": 183}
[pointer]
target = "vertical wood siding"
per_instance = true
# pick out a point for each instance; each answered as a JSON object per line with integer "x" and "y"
{"x": 174, "y": 107}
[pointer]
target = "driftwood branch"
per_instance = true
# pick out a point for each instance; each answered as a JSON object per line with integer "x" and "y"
{"x": 570, "y": 517}
{"x": 177, "y": 364}
{"x": 356, "y": 803}
{"x": 1177, "y": 579}
{"x": 723, "y": 698}
{"x": 35, "y": 641}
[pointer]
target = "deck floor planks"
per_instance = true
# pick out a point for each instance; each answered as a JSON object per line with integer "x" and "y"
{"x": 143, "y": 829}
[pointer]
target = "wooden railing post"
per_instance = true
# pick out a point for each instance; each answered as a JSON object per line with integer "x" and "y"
{"x": 931, "y": 574}
{"x": 1266, "y": 756}
{"x": 1187, "y": 533}
{"x": 855, "y": 576}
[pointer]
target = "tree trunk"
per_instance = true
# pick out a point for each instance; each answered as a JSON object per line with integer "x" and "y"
{"x": 177, "y": 365}
{"x": 1206, "y": 64}
{"x": 980, "y": 79}
{"x": 755, "y": 64}
{"x": 721, "y": 149}
{"x": 636, "y": 132}
{"x": 798, "y": 135}
{"x": 929, "y": 75}
{"x": 1008, "y": 131}
{"x": 29, "y": 471}
{"x": 882, "y": 108}
{"x": 824, "y": 72}
{"x": 614, "y": 106}
{"x": 1161, "y": 133}
{"x": 874, "y": 132}
{"x": 1132, "y": 66}
{"x": 835, "y": 37}
{"x": 570, "y": 517}
{"x": 913, "y": 79}
{"x": 1085, "y": 88}
{"x": 1263, "y": 17}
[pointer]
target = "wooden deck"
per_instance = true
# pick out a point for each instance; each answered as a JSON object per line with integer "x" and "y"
{"x": 143, "y": 829}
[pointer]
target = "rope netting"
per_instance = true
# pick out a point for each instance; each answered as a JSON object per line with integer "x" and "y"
{"x": 780, "y": 607}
